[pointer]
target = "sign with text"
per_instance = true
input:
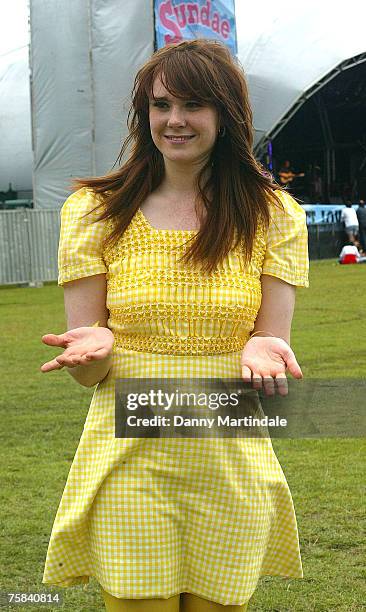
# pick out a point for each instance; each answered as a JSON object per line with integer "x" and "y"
{"x": 178, "y": 20}
{"x": 324, "y": 213}
{"x": 231, "y": 408}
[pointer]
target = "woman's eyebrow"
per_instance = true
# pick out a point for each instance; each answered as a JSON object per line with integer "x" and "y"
{"x": 167, "y": 99}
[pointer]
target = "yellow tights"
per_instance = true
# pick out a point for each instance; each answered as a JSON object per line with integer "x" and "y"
{"x": 185, "y": 602}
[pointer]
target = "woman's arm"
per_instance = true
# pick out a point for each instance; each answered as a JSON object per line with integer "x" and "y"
{"x": 266, "y": 359}
{"x": 85, "y": 303}
{"x": 277, "y": 308}
{"x": 88, "y": 348}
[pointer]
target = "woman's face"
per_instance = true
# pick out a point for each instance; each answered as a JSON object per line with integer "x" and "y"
{"x": 195, "y": 122}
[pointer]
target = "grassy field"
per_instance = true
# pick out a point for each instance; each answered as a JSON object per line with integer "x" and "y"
{"x": 42, "y": 418}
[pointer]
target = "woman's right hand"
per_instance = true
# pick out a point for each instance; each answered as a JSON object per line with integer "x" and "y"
{"x": 82, "y": 345}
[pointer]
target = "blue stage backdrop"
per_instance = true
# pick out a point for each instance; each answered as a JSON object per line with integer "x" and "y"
{"x": 324, "y": 213}
{"x": 177, "y": 20}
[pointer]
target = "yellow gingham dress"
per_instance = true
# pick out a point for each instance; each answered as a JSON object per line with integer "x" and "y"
{"x": 153, "y": 517}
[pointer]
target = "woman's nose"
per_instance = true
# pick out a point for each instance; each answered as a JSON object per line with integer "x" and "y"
{"x": 176, "y": 116}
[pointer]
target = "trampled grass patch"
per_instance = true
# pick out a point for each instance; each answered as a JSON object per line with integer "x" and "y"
{"x": 43, "y": 416}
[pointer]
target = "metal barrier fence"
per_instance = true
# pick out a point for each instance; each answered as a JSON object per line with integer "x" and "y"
{"x": 28, "y": 245}
{"x": 326, "y": 240}
{"x": 29, "y": 242}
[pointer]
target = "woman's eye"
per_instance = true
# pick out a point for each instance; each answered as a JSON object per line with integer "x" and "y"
{"x": 159, "y": 104}
{"x": 190, "y": 104}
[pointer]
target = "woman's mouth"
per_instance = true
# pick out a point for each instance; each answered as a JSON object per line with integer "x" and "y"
{"x": 179, "y": 139}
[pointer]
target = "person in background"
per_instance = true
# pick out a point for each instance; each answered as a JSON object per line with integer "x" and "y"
{"x": 350, "y": 254}
{"x": 316, "y": 184}
{"x": 349, "y": 218}
{"x": 361, "y": 217}
{"x": 286, "y": 173}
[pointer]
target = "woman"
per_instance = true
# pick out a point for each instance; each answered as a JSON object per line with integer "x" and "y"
{"x": 181, "y": 255}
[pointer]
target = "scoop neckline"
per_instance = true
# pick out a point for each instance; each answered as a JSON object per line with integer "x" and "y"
{"x": 156, "y": 229}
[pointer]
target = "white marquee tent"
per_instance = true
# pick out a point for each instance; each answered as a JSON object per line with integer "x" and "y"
{"x": 15, "y": 122}
{"x": 85, "y": 53}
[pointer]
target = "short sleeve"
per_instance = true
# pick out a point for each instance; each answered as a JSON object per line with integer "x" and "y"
{"x": 286, "y": 254}
{"x": 80, "y": 250}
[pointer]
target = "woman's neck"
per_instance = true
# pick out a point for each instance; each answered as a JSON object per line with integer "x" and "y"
{"x": 180, "y": 180}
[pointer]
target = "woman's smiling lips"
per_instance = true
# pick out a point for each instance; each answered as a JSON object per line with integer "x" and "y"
{"x": 179, "y": 139}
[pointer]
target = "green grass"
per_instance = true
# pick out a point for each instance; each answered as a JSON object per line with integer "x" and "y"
{"x": 43, "y": 416}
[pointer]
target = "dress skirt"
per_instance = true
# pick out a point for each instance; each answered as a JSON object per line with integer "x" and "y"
{"x": 153, "y": 517}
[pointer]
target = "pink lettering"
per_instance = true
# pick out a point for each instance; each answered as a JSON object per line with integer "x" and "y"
{"x": 225, "y": 29}
{"x": 190, "y": 13}
{"x": 191, "y": 18}
{"x": 205, "y": 14}
{"x": 165, "y": 10}
{"x": 215, "y": 25}
{"x": 182, "y": 19}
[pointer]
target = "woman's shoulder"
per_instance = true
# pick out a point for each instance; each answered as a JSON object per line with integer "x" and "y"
{"x": 82, "y": 203}
{"x": 290, "y": 205}
{"x": 80, "y": 213}
{"x": 83, "y": 198}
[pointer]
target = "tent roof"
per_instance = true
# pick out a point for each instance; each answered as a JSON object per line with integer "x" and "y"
{"x": 286, "y": 48}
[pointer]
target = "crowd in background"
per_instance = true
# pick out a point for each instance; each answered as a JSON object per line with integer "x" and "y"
{"x": 355, "y": 227}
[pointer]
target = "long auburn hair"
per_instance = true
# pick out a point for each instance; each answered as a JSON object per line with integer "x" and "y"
{"x": 236, "y": 193}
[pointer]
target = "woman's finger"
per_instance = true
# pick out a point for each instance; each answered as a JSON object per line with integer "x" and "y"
{"x": 84, "y": 359}
{"x": 293, "y": 367}
{"x": 51, "y": 365}
{"x": 282, "y": 384}
{"x": 69, "y": 361}
{"x": 54, "y": 340}
{"x": 269, "y": 385}
{"x": 246, "y": 374}
{"x": 72, "y": 359}
{"x": 257, "y": 380}
{"x": 98, "y": 354}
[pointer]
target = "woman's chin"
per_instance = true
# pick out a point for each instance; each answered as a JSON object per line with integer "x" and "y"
{"x": 179, "y": 157}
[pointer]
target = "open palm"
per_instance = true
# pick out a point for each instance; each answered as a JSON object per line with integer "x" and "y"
{"x": 266, "y": 359}
{"x": 82, "y": 345}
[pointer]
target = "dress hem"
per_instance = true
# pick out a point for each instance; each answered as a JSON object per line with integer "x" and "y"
{"x": 185, "y": 589}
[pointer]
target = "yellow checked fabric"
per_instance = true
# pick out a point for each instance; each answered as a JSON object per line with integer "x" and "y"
{"x": 155, "y": 517}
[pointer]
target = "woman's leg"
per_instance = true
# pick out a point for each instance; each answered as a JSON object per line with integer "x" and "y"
{"x": 192, "y": 603}
{"x": 114, "y": 604}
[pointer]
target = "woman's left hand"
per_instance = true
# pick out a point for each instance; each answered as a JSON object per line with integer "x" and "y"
{"x": 268, "y": 358}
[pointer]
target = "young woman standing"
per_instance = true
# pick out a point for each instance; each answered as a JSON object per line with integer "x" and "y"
{"x": 188, "y": 256}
